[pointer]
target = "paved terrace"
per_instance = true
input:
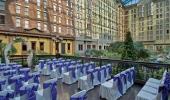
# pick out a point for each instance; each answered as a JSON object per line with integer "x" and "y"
{"x": 65, "y": 91}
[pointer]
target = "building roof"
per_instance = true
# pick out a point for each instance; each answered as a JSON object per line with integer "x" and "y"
{"x": 129, "y": 2}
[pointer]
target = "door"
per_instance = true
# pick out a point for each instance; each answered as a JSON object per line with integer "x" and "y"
{"x": 63, "y": 48}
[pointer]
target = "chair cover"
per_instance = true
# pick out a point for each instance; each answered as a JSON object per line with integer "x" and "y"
{"x": 25, "y": 72}
{"x": 86, "y": 82}
{"x": 34, "y": 77}
{"x": 16, "y": 82}
{"x": 82, "y": 95}
{"x": 70, "y": 77}
{"x": 103, "y": 74}
{"x": 143, "y": 95}
{"x": 41, "y": 64}
{"x": 49, "y": 91}
{"x": 7, "y": 94}
{"x": 109, "y": 90}
{"x": 96, "y": 77}
{"x": 2, "y": 64}
{"x": 2, "y": 84}
{"x": 109, "y": 72}
{"x": 27, "y": 92}
{"x": 79, "y": 73}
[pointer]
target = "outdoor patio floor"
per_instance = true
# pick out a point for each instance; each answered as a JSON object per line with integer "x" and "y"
{"x": 64, "y": 91}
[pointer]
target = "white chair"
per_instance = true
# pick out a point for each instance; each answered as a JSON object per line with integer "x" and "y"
{"x": 82, "y": 95}
{"x": 96, "y": 77}
{"x": 103, "y": 74}
{"x": 27, "y": 92}
{"x": 2, "y": 84}
{"x": 55, "y": 72}
{"x": 25, "y": 72}
{"x": 152, "y": 89}
{"x": 48, "y": 67}
{"x": 79, "y": 73}
{"x": 16, "y": 82}
{"x": 112, "y": 89}
{"x": 49, "y": 91}
{"x": 71, "y": 76}
{"x": 109, "y": 72}
{"x": 86, "y": 82}
{"x": 34, "y": 77}
{"x": 40, "y": 66}
{"x": 7, "y": 95}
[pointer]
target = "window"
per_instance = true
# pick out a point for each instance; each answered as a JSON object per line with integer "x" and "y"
{"x": 59, "y": 29}
{"x": 45, "y": 15}
{"x": 39, "y": 25}
{"x": 100, "y": 47}
{"x": 88, "y": 46}
{"x": 68, "y": 46}
{"x": 41, "y": 46}
{"x": 33, "y": 45}
{"x": 26, "y": 1}
{"x": 26, "y": 23}
{"x": 54, "y": 7}
{"x": 18, "y": 9}
{"x": 94, "y": 46}
{"x": 55, "y": 18}
{"x": 59, "y": 9}
{"x": 2, "y": 19}
{"x": 45, "y": 27}
{"x": 59, "y": 19}
{"x": 24, "y": 47}
{"x": 55, "y": 28}
{"x": 26, "y": 12}
{"x": 2, "y": 4}
{"x": 80, "y": 47}
{"x": 38, "y": 3}
{"x": 38, "y": 13}
{"x": 67, "y": 21}
{"x": 18, "y": 22}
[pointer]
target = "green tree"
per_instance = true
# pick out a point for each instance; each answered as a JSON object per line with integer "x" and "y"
{"x": 128, "y": 52}
{"x": 116, "y": 47}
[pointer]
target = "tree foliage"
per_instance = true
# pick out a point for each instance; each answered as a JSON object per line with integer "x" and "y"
{"x": 116, "y": 47}
{"x": 128, "y": 52}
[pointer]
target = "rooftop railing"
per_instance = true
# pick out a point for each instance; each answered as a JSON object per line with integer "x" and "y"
{"x": 144, "y": 70}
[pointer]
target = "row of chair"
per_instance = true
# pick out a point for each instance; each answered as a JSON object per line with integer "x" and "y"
{"x": 77, "y": 71}
{"x": 19, "y": 83}
{"x": 94, "y": 77}
{"x": 118, "y": 85}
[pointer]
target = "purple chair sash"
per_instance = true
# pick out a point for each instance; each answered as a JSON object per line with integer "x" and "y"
{"x": 129, "y": 76}
{"x": 124, "y": 78}
{"x": 133, "y": 74}
{"x": 99, "y": 76}
{"x": 50, "y": 65}
{"x": 119, "y": 84}
{"x": 73, "y": 72}
{"x": 35, "y": 77}
{"x": 165, "y": 89}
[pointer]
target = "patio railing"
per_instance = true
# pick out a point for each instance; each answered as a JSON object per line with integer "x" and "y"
{"x": 144, "y": 70}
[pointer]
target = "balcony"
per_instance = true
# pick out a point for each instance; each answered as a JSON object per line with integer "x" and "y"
{"x": 144, "y": 71}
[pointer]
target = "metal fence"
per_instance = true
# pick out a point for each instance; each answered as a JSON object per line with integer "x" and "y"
{"x": 144, "y": 70}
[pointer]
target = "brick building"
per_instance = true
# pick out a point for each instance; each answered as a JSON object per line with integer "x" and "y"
{"x": 47, "y": 25}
